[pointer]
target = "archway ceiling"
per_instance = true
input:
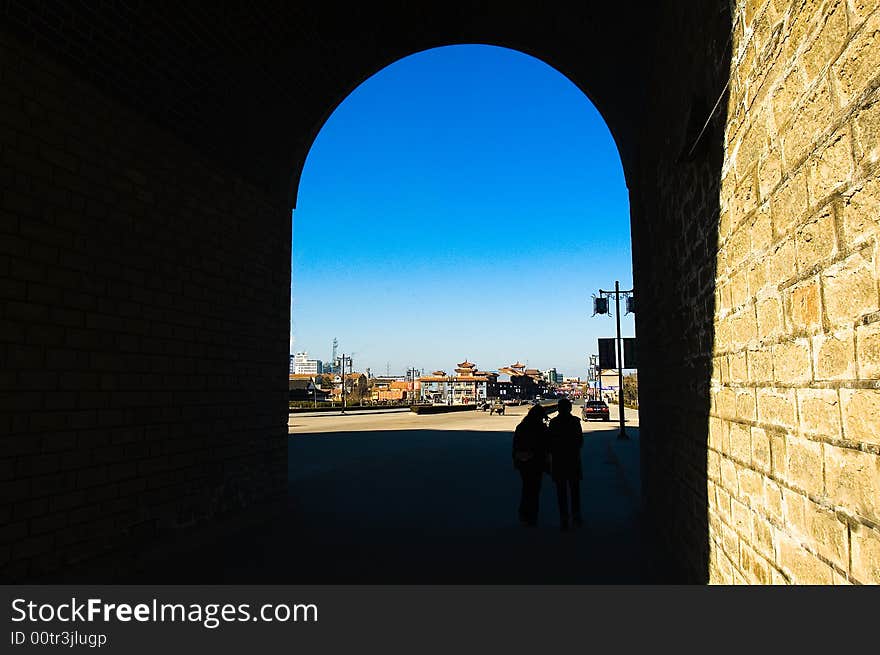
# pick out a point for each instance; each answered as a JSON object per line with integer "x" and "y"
{"x": 250, "y": 84}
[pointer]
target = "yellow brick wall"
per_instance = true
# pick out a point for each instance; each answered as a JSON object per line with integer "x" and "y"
{"x": 794, "y": 447}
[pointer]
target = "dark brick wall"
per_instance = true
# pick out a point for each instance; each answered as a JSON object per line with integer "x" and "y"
{"x": 149, "y": 159}
{"x": 675, "y": 215}
{"x": 144, "y": 304}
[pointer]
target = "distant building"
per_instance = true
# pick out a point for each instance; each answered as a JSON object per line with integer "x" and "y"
{"x": 521, "y": 383}
{"x": 552, "y": 376}
{"x": 467, "y": 386}
{"x": 302, "y": 365}
{"x": 303, "y": 388}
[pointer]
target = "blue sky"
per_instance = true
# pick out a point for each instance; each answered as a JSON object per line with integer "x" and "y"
{"x": 464, "y": 202}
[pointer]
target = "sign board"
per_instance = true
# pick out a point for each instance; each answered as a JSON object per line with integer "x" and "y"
{"x": 607, "y": 354}
{"x": 630, "y": 353}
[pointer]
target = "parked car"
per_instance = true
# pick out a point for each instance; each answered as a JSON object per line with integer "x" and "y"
{"x": 595, "y": 409}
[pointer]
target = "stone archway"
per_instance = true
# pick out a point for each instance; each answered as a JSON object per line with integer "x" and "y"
{"x": 153, "y": 161}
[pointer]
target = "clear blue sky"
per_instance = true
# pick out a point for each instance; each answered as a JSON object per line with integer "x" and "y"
{"x": 464, "y": 202}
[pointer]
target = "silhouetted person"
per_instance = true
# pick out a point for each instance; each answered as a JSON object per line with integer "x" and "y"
{"x": 566, "y": 441}
{"x": 529, "y": 454}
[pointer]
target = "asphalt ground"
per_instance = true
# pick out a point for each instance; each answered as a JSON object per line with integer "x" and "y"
{"x": 420, "y": 499}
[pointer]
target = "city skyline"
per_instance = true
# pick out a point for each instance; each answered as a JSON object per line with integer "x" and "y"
{"x": 446, "y": 205}
{"x": 388, "y": 370}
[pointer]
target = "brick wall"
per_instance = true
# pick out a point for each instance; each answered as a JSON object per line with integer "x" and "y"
{"x": 144, "y": 307}
{"x": 145, "y": 245}
{"x": 675, "y": 216}
{"x": 793, "y": 457}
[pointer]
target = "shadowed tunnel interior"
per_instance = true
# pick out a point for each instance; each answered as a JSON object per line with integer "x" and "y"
{"x": 147, "y": 239}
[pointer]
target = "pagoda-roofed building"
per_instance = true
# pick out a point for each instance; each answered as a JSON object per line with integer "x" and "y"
{"x": 468, "y": 385}
{"x": 524, "y": 384}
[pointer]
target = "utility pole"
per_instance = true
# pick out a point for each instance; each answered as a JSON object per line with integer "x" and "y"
{"x": 343, "y": 381}
{"x": 617, "y": 292}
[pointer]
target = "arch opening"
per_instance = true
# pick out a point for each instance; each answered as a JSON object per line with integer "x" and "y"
{"x": 455, "y": 215}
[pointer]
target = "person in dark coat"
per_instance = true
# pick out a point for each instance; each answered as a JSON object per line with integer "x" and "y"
{"x": 529, "y": 455}
{"x": 566, "y": 441}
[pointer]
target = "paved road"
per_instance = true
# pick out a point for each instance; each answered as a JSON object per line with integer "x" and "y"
{"x": 317, "y": 422}
{"x": 400, "y": 499}
{"x": 407, "y": 499}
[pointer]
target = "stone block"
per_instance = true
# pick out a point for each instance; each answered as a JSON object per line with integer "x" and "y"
{"x": 741, "y": 517}
{"x": 828, "y": 42}
{"x": 850, "y": 289}
{"x": 739, "y": 288}
{"x": 713, "y": 469}
{"x": 861, "y": 9}
{"x": 857, "y": 66}
{"x": 834, "y": 355}
{"x": 716, "y": 431}
{"x": 757, "y": 273}
{"x": 826, "y": 534}
{"x": 868, "y": 351}
{"x": 743, "y": 327}
{"x": 861, "y": 415}
{"x": 761, "y": 457}
{"x": 788, "y": 205}
{"x": 751, "y": 489}
{"x": 852, "y": 480}
{"x": 793, "y": 507}
{"x": 738, "y": 367}
{"x": 729, "y": 480}
{"x": 786, "y": 96}
{"x": 816, "y": 240}
{"x": 804, "y": 307}
{"x": 769, "y": 317}
{"x": 804, "y": 465}
{"x": 806, "y": 125}
{"x": 777, "y": 407}
{"x": 740, "y": 443}
{"x": 754, "y": 567}
{"x": 831, "y": 168}
{"x": 860, "y": 212}
{"x": 746, "y": 405}
{"x": 730, "y": 542}
{"x": 738, "y": 247}
{"x": 761, "y": 365}
{"x": 762, "y": 537}
{"x": 774, "y": 500}
{"x": 865, "y": 555}
{"x": 725, "y": 403}
{"x": 819, "y": 412}
{"x": 802, "y": 566}
{"x": 792, "y": 362}
{"x": 745, "y": 198}
{"x": 769, "y": 177}
{"x": 866, "y": 133}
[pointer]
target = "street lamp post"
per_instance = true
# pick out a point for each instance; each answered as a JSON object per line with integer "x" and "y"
{"x": 617, "y": 293}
